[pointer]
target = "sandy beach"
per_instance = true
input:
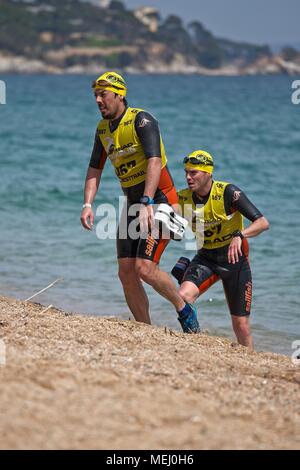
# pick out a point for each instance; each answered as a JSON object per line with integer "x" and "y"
{"x": 84, "y": 382}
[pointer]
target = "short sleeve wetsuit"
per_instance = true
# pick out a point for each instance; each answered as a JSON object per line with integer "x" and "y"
{"x": 229, "y": 204}
{"x": 129, "y": 142}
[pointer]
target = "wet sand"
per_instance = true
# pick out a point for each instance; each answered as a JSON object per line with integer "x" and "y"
{"x": 84, "y": 382}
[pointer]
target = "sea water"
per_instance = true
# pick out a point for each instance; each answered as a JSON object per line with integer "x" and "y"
{"x": 47, "y": 127}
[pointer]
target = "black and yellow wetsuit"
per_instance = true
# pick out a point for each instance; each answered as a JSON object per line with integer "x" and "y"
{"x": 129, "y": 142}
{"x": 221, "y": 212}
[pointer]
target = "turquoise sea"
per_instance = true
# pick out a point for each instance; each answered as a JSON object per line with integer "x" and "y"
{"x": 47, "y": 128}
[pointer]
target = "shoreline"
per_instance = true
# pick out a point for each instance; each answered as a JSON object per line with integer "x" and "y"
{"x": 266, "y": 66}
{"x": 81, "y": 382}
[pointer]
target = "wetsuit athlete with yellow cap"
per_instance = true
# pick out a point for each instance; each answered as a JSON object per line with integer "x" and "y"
{"x": 219, "y": 207}
{"x": 131, "y": 140}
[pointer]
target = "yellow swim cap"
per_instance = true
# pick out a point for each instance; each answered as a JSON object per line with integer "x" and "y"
{"x": 111, "y": 81}
{"x": 199, "y": 160}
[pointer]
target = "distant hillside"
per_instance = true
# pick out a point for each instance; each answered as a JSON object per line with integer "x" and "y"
{"x": 79, "y": 36}
{"x": 277, "y": 48}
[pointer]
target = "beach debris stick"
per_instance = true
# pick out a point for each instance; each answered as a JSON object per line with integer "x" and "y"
{"x": 43, "y": 290}
{"x": 46, "y": 309}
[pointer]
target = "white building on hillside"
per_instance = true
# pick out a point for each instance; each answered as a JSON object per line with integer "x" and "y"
{"x": 149, "y": 16}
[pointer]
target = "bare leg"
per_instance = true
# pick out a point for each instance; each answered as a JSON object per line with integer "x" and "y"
{"x": 134, "y": 291}
{"x": 160, "y": 281}
{"x": 241, "y": 327}
{"x": 189, "y": 292}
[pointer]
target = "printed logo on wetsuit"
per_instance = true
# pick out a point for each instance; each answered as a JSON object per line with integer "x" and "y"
{"x": 151, "y": 242}
{"x": 248, "y": 296}
{"x": 144, "y": 122}
{"x": 236, "y": 195}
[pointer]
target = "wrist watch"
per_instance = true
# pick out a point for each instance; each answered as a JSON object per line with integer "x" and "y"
{"x": 238, "y": 233}
{"x": 146, "y": 200}
{"x": 86, "y": 205}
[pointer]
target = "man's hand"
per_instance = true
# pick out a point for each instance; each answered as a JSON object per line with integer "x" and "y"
{"x": 87, "y": 218}
{"x": 235, "y": 250}
{"x": 146, "y": 218}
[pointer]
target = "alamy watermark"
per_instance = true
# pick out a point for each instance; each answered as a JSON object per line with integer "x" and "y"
{"x": 2, "y": 92}
{"x": 296, "y": 94}
{"x": 125, "y": 220}
{"x": 296, "y": 353}
{"x": 2, "y": 353}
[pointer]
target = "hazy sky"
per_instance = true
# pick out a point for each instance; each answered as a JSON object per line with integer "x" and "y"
{"x": 260, "y": 21}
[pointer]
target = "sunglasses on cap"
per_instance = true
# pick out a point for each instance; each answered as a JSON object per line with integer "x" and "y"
{"x": 105, "y": 84}
{"x": 199, "y": 160}
{"x": 113, "y": 79}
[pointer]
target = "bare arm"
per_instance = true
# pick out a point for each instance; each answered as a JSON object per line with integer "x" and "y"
{"x": 236, "y": 200}
{"x": 153, "y": 176}
{"x": 254, "y": 229}
{"x": 92, "y": 182}
{"x": 151, "y": 184}
{"x": 257, "y": 227}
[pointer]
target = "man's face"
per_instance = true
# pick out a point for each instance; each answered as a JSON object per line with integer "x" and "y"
{"x": 109, "y": 104}
{"x": 197, "y": 180}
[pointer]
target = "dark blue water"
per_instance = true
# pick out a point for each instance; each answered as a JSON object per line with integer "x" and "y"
{"x": 46, "y": 134}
